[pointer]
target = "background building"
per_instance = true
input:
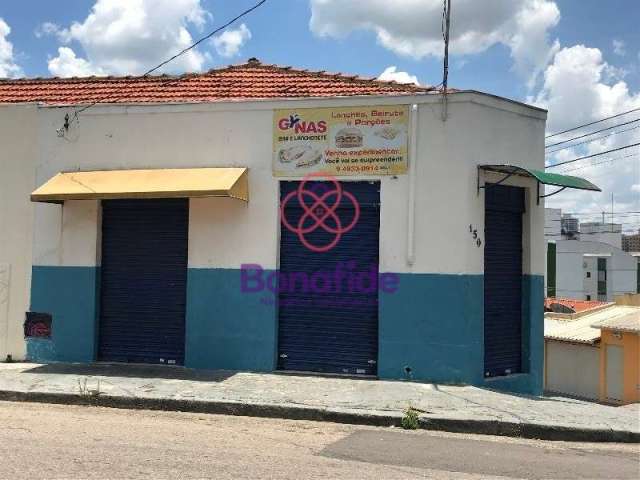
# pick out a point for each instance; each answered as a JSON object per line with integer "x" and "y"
{"x": 594, "y": 271}
{"x": 631, "y": 243}
{"x": 610, "y": 233}
{"x": 553, "y": 224}
{"x": 570, "y": 227}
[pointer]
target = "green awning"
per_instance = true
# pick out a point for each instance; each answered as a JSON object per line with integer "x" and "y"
{"x": 541, "y": 177}
{"x": 546, "y": 178}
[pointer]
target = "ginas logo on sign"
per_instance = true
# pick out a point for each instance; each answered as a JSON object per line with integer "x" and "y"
{"x": 302, "y": 126}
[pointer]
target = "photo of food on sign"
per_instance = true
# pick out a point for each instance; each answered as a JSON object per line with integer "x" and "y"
{"x": 341, "y": 141}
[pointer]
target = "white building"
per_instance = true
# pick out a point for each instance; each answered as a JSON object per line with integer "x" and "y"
{"x": 18, "y": 153}
{"x": 171, "y": 225}
{"x": 610, "y": 233}
{"x": 552, "y": 224}
{"x": 594, "y": 271}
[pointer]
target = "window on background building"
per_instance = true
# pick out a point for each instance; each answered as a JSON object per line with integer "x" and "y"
{"x": 602, "y": 279}
{"x": 588, "y": 274}
{"x": 588, "y": 297}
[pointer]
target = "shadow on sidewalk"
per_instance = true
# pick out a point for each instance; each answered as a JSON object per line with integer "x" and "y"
{"x": 132, "y": 371}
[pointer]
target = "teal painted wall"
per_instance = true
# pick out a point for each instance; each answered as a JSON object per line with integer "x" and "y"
{"x": 69, "y": 294}
{"x": 41, "y": 350}
{"x": 434, "y": 325}
{"x": 227, "y": 328}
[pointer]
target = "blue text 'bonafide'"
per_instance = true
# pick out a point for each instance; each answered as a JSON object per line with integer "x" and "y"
{"x": 345, "y": 277}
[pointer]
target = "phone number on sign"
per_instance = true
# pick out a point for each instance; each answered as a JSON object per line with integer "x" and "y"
{"x": 359, "y": 168}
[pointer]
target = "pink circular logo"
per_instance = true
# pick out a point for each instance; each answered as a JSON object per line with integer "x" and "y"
{"x": 320, "y": 212}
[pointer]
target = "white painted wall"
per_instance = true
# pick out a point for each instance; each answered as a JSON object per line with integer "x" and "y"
{"x": 225, "y": 232}
{"x": 552, "y": 224}
{"x": 610, "y": 233}
{"x": 576, "y": 257}
{"x": 17, "y": 162}
{"x": 572, "y": 369}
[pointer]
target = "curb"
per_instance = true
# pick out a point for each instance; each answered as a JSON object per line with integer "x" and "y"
{"x": 483, "y": 427}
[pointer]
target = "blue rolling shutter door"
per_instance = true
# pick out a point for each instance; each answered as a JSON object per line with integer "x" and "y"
{"x": 334, "y": 332}
{"x": 143, "y": 280}
{"x": 504, "y": 206}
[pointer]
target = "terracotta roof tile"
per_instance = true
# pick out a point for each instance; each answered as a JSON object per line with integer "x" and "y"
{"x": 250, "y": 80}
{"x": 577, "y": 306}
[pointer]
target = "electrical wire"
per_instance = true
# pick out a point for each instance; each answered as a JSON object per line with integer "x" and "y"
{"x": 600, "y": 213}
{"x": 619, "y": 132}
{"x": 592, "y": 133}
{"x": 600, "y": 222}
{"x": 592, "y": 155}
{"x": 592, "y": 123}
{"x": 165, "y": 62}
{"x": 609, "y": 160}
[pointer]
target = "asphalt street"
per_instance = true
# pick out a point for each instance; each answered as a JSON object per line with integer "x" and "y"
{"x": 57, "y": 441}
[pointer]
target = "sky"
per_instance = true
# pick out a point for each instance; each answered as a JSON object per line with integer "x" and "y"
{"x": 580, "y": 59}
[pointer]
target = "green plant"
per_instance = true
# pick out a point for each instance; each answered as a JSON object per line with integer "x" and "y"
{"x": 411, "y": 419}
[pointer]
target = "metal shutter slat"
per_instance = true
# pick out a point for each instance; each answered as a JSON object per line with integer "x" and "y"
{"x": 143, "y": 284}
{"x": 331, "y": 332}
{"x": 504, "y": 206}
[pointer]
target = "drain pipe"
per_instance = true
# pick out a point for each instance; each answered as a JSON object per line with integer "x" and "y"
{"x": 411, "y": 207}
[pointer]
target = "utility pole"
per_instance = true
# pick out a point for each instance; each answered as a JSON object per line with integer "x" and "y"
{"x": 445, "y": 76}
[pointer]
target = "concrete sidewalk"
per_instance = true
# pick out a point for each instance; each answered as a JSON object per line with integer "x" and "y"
{"x": 359, "y": 401}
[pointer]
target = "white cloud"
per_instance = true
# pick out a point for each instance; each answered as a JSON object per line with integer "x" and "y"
{"x": 619, "y": 47}
{"x": 53, "y": 29}
{"x": 127, "y": 37}
{"x": 413, "y": 27}
{"x": 579, "y": 89}
{"x": 229, "y": 42}
{"x": 392, "y": 74}
{"x": 67, "y": 64}
{"x": 575, "y": 89}
{"x": 8, "y": 67}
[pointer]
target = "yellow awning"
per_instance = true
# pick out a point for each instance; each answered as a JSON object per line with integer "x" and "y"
{"x": 161, "y": 183}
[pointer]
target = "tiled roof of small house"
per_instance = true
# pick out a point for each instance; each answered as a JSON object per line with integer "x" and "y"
{"x": 586, "y": 328}
{"x": 248, "y": 81}
{"x": 629, "y": 322}
{"x": 578, "y": 306}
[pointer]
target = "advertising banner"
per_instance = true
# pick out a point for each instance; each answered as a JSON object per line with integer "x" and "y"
{"x": 341, "y": 141}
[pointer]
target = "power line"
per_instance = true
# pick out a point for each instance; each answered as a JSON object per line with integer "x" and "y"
{"x": 182, "y": 52}
{"x": 593, "y": 155}
{"x": 600, "y": 213}
{"x": 599, "y": 163}
{"x": 597, "y": 216}
{"x": 592, "y": 123}
{"x": 592, "y": 133}
{"x": 593, "y": 139}
{"x": 600, "y": 223}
